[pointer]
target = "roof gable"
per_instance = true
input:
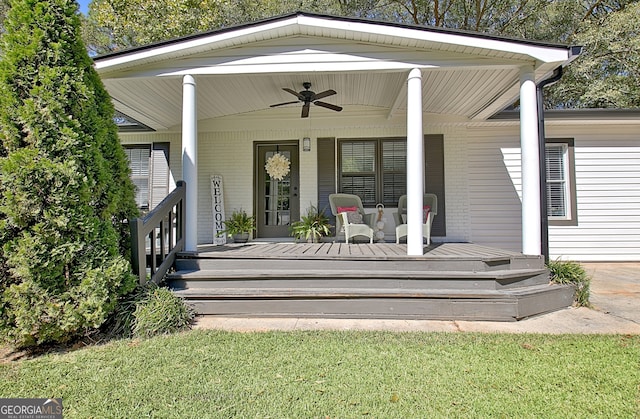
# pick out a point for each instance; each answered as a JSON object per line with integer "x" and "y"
{"x": 464, "y": 74}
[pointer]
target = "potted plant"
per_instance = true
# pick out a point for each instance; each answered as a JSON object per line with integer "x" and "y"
{"x": 312, "y": 226}
{"x": 239, "y": 226}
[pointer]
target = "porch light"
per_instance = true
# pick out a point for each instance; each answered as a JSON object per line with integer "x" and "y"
{"x": 306, "y": 144}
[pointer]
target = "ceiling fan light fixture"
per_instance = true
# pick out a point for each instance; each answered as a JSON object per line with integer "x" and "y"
{"x": 307, "y": 97}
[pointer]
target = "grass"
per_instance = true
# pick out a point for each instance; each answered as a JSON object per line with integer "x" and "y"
{"x": 214, "y": 374}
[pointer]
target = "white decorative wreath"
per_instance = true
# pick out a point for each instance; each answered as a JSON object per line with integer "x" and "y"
{"x": 277, "y": 166}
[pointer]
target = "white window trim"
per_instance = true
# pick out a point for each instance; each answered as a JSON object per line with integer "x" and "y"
{"x": 568, "y": 160}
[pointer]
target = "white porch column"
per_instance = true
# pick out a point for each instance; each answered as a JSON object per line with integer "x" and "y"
{"x": 190, "y": 161}
{"x": 530, "y": 164}
{"x": 415, "y": 164}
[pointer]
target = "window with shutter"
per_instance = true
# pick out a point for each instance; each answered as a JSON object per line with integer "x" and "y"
{"x": 556, "y": 180}
{"x": 374, "y": 169}
{"x": 560, "y": 180}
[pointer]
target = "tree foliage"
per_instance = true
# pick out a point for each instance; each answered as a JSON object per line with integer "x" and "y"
{"x": 113, "y": 25}
{"x": 64, "y": 184}
{"x": 607, "y": 74}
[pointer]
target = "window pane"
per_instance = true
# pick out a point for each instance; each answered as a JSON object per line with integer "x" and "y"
{"x": 277, "y": 196}
{"x": 394, "y": 166}
{"x": 555, "y": 200}
{"x": 395, "y": 185}
{"x": 363, "y": 186}
{"x": 555, "y": 163}
{"x": 556, "y": 181}
{"x": 358, "y": 156}
{"x": 394, "y": 156}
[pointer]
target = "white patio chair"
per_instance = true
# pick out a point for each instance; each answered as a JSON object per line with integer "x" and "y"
{"x": 350, "y": 216}
{"x": 429, "y": 200}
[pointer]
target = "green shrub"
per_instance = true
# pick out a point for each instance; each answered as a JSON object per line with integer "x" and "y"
{"x": 120, "y": 322}
{"x": 161, "y": 312}
{"x": 567, "y": 272}
{"x": 64, "y": 182}
{"x": 147, "y": 311}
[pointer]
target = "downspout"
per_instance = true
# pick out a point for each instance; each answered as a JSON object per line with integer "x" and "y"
{"x": 544, "y": 216}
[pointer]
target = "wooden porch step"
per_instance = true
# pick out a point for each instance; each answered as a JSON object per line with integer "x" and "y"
{"x": 356, "y": 279}
{"x": 491, "y": 305}
{"x": 341, "y": 293}
{"x": 472, "y": 264}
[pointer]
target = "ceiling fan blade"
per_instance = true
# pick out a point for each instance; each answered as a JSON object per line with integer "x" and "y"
{"x": 324, "y": 94}
{"x": 293, "y": 92}
{"x": 285, "y": 103}
{"x": 328, "y": 106}
{"x": 305, "y": 110}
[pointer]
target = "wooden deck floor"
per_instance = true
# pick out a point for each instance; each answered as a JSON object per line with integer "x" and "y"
{"x": 377, "y": 251}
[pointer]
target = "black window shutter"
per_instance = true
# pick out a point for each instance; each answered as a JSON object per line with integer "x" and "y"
{"x": 326, "y": 173}
{"x": 434, "y": 179}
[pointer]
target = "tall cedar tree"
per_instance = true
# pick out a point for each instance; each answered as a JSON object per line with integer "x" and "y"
{"x": 64, "y": 181}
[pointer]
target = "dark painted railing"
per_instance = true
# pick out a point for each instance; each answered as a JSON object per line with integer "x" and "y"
{"x": 157, "y": 237}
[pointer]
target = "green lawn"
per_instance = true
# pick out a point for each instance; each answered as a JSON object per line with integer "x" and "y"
{"x": 217, "y": 374}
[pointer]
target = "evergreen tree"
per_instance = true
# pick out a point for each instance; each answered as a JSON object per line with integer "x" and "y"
{"x": 64, "y": 184}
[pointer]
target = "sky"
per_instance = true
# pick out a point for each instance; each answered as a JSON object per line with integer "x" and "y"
{"x": 84, "y": 6}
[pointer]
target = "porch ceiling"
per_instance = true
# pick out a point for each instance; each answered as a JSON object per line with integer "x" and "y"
{"x": 243, "y": 71}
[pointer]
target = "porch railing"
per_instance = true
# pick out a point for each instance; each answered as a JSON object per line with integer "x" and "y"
{"x": 157, "y": 237}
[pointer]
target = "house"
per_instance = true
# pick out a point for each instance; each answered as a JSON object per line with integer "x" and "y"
{"x": 422, "y": 109}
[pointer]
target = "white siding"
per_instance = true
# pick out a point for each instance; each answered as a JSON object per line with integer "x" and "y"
{"x": 608, "y": 196}
{"x": 607, "y": 167}
{"x": 456, "y": 175}
{"x": 494, "y": 188}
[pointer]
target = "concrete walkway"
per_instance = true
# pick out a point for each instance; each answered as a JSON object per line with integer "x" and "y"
{"x": 615, "y": 295}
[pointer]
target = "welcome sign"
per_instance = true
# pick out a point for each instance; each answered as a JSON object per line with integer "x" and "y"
{"x": 218, "y": 210}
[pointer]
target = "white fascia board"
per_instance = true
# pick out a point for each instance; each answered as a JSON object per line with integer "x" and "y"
{"x": 181, "y": 48}
{"x": 538, "y": 52}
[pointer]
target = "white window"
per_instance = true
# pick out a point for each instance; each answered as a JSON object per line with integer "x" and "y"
{"x": 560, "y": 180}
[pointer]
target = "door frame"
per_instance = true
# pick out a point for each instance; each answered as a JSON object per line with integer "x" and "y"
{"x": 256, "y": 178}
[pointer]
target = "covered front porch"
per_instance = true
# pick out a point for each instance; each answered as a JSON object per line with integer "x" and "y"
{"x": 211, "y": 97}
{"x": 342, "y": 280}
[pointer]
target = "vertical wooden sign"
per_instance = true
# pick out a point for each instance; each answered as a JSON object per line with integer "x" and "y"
{"x": 218, "y": 210}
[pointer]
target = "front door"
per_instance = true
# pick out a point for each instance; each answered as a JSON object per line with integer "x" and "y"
{"x": 277, "y": 199}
